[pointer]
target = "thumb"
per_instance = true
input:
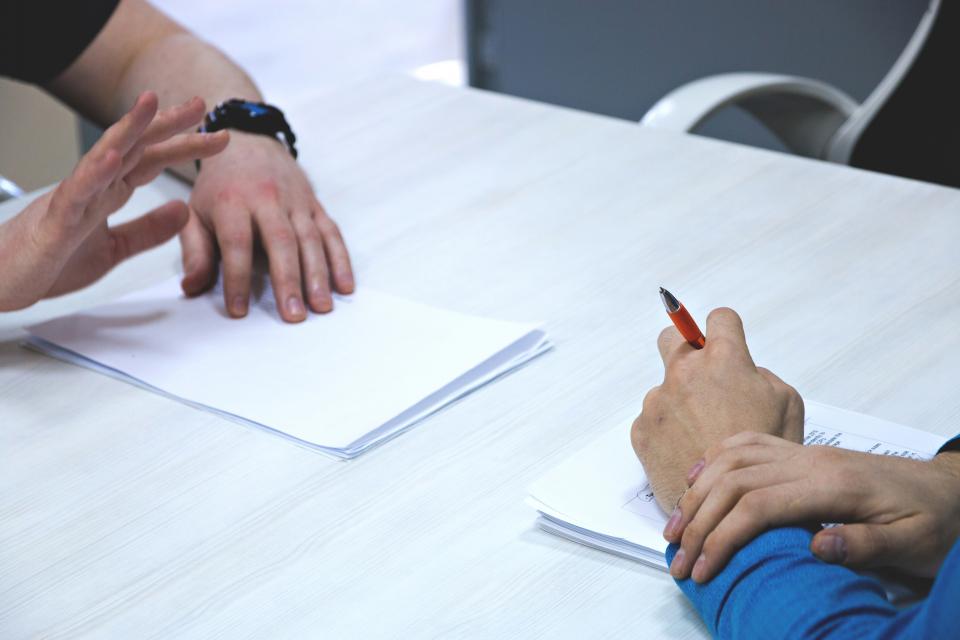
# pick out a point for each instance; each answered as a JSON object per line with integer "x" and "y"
{"x": 148, "y": 231}
{"x": 862, "y": 545}
{"x": 199, "y": 257}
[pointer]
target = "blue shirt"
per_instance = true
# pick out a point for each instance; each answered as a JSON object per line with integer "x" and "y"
{"x": 775, "y": 587}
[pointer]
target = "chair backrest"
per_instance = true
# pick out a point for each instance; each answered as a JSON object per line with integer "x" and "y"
{"x": 9, "y": 189}
{"x": 909, "y": 125}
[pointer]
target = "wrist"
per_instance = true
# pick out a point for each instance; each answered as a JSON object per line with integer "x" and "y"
{"x": 949, "y": 461}
{"x": 243, "y": 148}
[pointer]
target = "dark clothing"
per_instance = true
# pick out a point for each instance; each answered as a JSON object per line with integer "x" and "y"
{"x": 41, "y": 38}
{"x": 914, "y": 133}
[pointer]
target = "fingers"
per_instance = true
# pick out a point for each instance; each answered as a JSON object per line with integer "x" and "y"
{"x": 746, "y": 438}
{"x": 174, "y": 120}
{"x": 725, "y": 334}
{"x": 313, "y": 259}
{"x": 147, "y": 231}
{"x": 719, "y": 486}
{"x": 283, "y": 254}
{"x": 126, "y": 132}
{"x": 166, "y": 124}
{"x": 717, "y": 505}
{"x": 863, "y": 545}
{"x": 337, "y": 255}
{"x": 234, "y": 230}
{"x": 119, "y": 149}
{"x": 672, "y": 345}
{"x": 753, "y": 514}
{"x": 91, "y": 176}
{"x": 199, "y": 257}
{"x": 161, "y": 155}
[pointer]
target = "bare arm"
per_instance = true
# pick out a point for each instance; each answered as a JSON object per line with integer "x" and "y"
{"x": 141, "y": 48}
{"x": 253, "y": 195}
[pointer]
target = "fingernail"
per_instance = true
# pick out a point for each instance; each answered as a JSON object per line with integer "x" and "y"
{"x": 321, "y": 298}
{"x": 676, "y": 567}
{"x": 695, "y": 470}
{"x": 295, "y": 307}
{"x": 672, "y": 524}
{"x": 238, "y": 306}
{"x": 832, "y": 549}
{"x": 699, "y": 567}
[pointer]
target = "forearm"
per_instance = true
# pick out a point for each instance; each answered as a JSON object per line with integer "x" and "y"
{"x": 775, "y": 588}
{"x": 179, "y": 66}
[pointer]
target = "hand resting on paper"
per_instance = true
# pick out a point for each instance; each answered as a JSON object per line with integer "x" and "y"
{"x": 61, "y": 242}
{"x": 707, "y": 396}
{"x": 901, "y": 513}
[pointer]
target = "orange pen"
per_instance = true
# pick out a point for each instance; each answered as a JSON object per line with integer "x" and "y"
{"x": 682, "y": 320}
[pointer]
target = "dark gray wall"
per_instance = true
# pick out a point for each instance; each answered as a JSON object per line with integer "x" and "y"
{"x": 618, "y": 57}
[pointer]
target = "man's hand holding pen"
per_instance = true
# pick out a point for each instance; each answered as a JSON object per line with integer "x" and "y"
{"x": 707, "y": 396}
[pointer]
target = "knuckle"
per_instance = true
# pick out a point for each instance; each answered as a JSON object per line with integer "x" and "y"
{"x": 236, "y": 239}
{"x": 876, "y": 538}
{"x": 282, "y": 238}
{"x": 267, "y": 190}
{"x": 651, "y": 401}
{"x": 730, "y": 458}
{"x": 713, "y": 545}
{"x": 327, "y": 225}
{"x": 793, "y": 396}
{"x": 728, "y": 484}
{"x": 694, "y": 495}
{"x": 227, "y": 196}
{"x": 694, "y": 533}
{"x": 753, "y": 505}
{"x": 311, "y": 232}
{"x": 639, "y": 434}
{"x": 713, "y": 454}
{"x": 636, "y": 436}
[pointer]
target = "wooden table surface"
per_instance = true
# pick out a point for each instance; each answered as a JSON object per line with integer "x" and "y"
{"x": 126, "y": 515}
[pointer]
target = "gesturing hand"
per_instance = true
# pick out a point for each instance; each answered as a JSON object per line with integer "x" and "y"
{"x": 901, "y": 513}
{"x": 708, "y": 395}
{"x": 61, "y": 241}
{"x": 255, "y": 193}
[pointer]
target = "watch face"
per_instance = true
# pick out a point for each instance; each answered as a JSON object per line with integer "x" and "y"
{"x": 253, "y": 110}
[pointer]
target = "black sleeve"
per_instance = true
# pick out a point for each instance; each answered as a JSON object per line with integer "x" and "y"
{"x": 41, "y": 38}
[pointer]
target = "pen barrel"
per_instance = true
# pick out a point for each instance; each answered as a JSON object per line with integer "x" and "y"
{"x": 685, "y": 324}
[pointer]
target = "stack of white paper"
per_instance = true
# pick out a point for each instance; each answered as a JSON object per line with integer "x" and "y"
{"x": 600, "y": 496}
{"x": 340, "y": 382}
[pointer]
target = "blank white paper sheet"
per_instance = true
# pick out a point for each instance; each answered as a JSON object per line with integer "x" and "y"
{"x": 340, "y": 382}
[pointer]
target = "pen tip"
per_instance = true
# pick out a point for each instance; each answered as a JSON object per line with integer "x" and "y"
{"x": 669, "y": 301}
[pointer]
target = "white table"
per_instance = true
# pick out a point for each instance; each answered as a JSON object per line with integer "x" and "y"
{"x": 124, "y": 515}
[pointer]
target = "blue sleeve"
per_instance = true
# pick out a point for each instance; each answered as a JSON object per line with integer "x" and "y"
{"x": 951, "y": 445}
{"x": 776, "y": 588}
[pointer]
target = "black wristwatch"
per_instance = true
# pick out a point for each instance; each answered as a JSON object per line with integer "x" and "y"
{"x": 251, "y": 117}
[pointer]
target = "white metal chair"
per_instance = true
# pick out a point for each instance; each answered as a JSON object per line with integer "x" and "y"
{"x": 9, "y": 189}
{"x": 817, "y": 120}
